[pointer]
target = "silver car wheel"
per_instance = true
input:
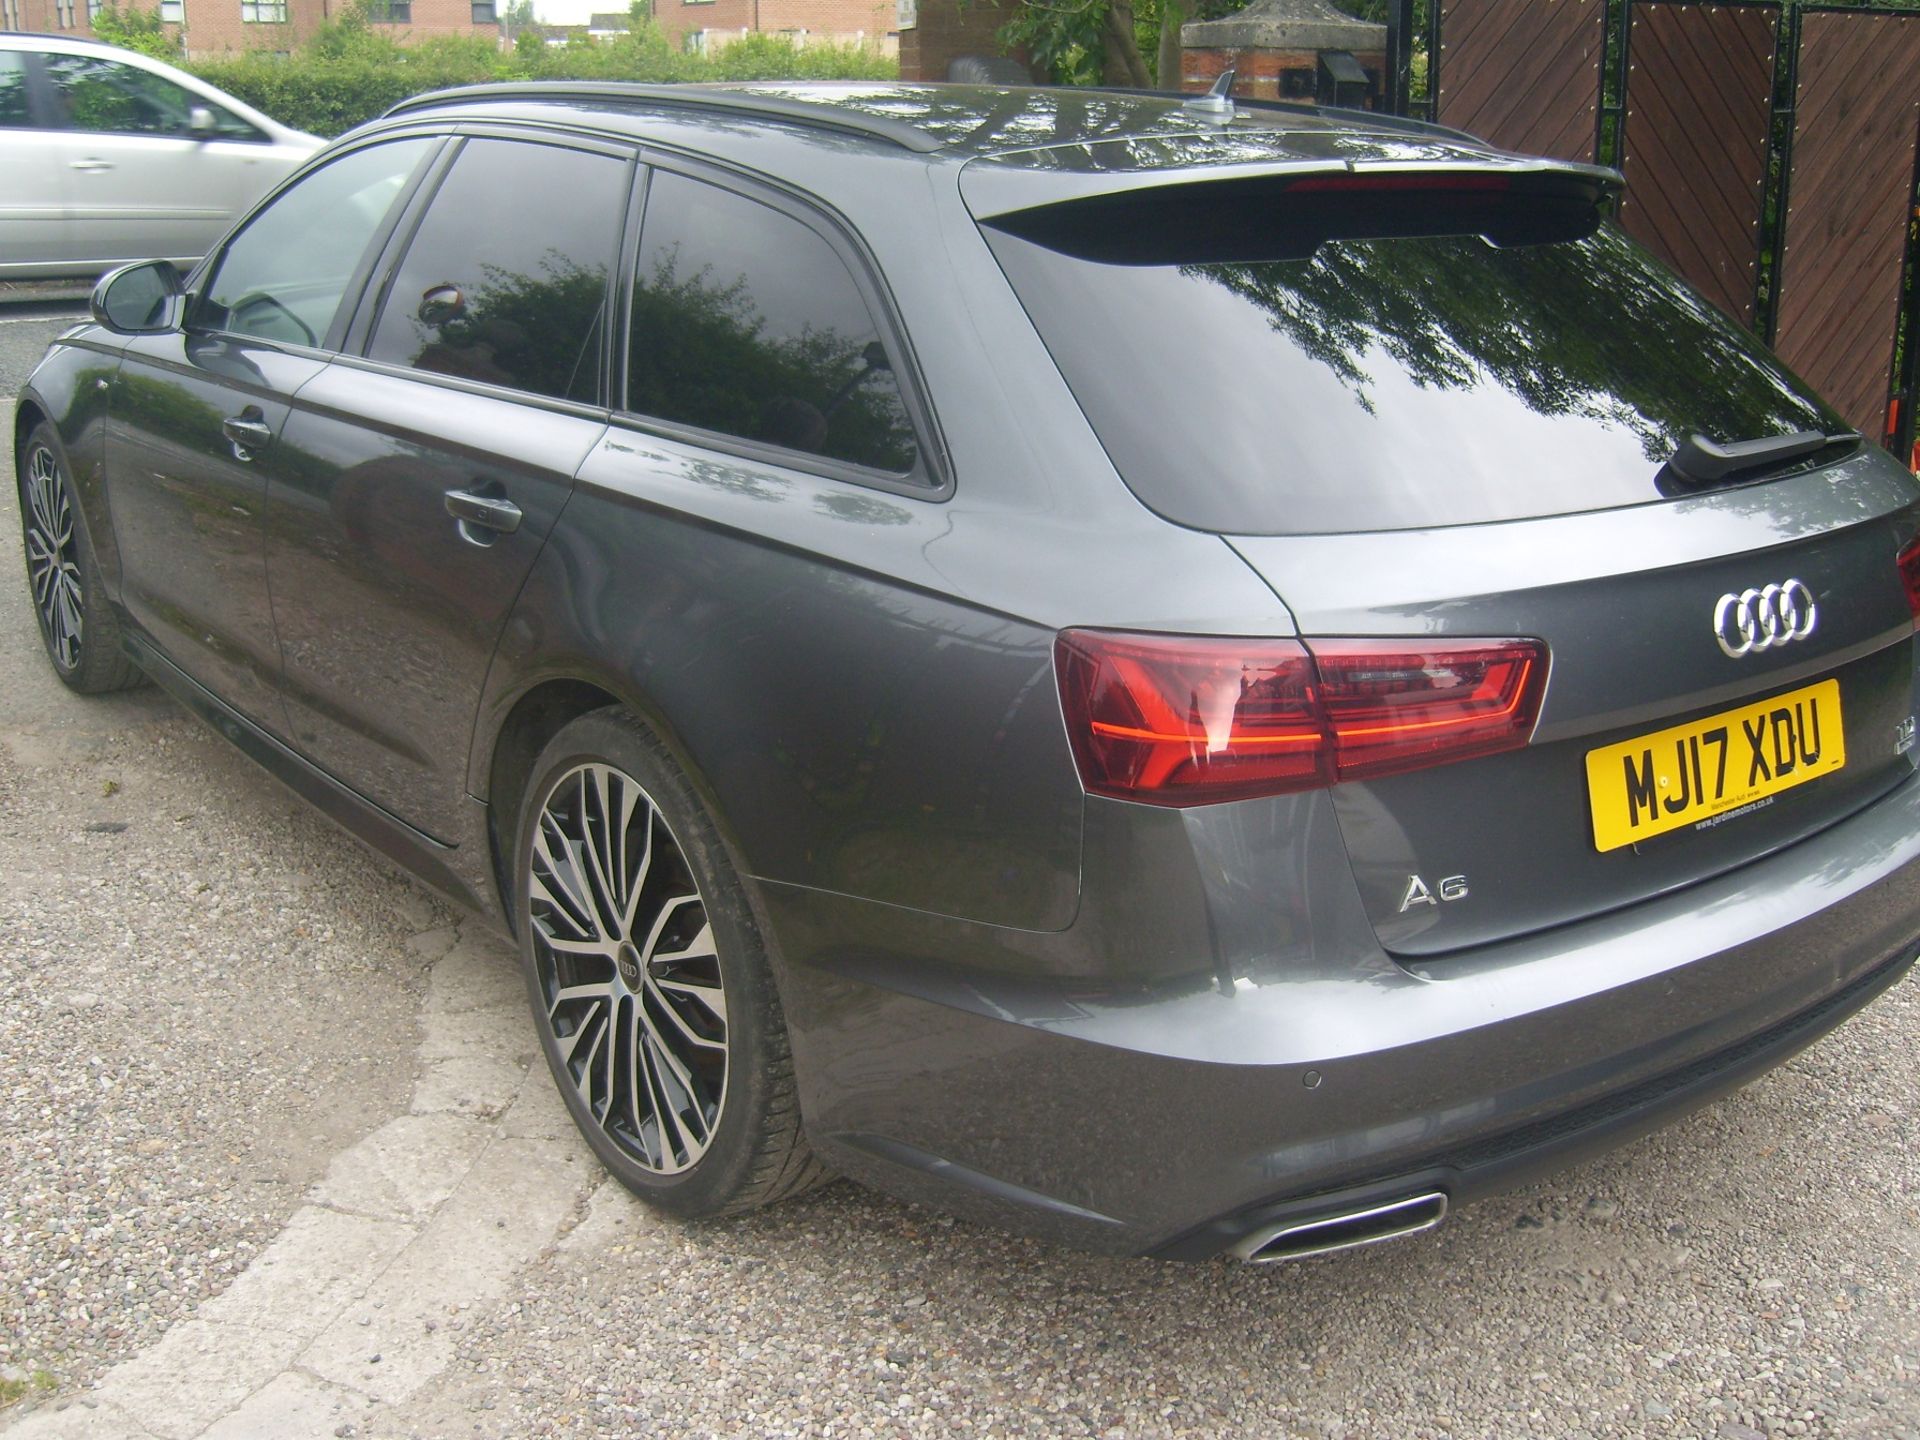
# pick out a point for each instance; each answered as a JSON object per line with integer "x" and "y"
{"x": 53, "y": 567}
{"x": 627, "y": 968}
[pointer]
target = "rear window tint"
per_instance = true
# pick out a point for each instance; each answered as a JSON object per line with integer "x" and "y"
{"x": 748, "y": 323}
{"x": 1397, "y": 383}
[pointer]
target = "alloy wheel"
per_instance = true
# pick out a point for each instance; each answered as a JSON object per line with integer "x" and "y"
{"x": 628, "y": 971}
{"x": 53, "y": 563}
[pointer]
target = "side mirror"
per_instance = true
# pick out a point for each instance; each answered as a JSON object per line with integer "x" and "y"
{"x": 200, "y": 123}
{"x": 139, "y": 299}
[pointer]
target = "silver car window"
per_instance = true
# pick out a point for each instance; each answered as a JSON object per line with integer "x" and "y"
{"x": 96, "y": 94}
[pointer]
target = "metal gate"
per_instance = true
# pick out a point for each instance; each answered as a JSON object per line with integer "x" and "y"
{"x": 1772, "y": 157}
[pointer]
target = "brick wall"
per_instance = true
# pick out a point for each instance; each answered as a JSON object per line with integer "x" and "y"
{"x": 441, "y": 17}
{"x": 844, "y": 19}
{"x": 217, "y": 27}
{"x": 49, "y": 18}
{"x": 831, "y": 19}
{"x": 1258, "y": 70}
{"x": 677, "y": 17}
{"x": 947, "y": 29}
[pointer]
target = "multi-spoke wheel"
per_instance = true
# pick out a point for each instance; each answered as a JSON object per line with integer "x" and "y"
{"x": 77, "y": 625}
{"x": 648, "y": 980}
{"x": 53, "y": 567}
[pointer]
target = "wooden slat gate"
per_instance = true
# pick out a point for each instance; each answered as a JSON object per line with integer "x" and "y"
{"x": 1786, "y": 193}
{"x": 1524, "y": 74}
{"x": 1850, "y": 189}
{"x": 1693, "y": 141}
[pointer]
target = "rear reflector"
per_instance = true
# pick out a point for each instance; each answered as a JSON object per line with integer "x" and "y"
{"x": 1191, "y": 720}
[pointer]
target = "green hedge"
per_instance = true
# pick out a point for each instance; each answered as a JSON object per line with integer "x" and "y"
{"x": 353, "y": 71}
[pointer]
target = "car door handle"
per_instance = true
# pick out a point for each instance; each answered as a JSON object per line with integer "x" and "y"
{"x": 92, "y": 165}
{"x": 490, "y": 512}
{"x": 248, "y": 432}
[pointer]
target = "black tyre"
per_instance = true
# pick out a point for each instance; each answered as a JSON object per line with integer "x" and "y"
{"x": 77, "y": 624}
{"x": 648, "y": 980}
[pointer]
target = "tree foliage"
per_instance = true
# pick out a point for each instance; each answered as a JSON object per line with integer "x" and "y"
{"x": 1111, "y": 42}
{"x": 138, "y": 30}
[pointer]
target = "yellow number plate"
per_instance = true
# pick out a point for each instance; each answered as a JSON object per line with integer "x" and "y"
{"x": 1675, "y": 778}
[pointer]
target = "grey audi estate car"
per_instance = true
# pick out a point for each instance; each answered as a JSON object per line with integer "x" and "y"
{"x": 1188, "y": 678}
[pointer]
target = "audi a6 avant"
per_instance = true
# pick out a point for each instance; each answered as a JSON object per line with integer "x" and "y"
{"x": 1189, "y": 679}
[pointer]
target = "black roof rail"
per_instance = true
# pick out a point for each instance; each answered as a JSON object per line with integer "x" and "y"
{"x": 687, "y": 97}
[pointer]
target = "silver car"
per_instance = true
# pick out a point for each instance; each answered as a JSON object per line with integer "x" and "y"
{"x": 107, "y": 156}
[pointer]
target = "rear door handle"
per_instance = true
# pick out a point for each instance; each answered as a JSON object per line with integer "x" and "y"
{"x": 248, "y": 431}
{"x": 489, "y": 512}
{"x": 92, "y": 165}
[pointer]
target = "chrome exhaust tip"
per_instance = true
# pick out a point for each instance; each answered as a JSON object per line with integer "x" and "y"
{"x": 1343, "y": 1230}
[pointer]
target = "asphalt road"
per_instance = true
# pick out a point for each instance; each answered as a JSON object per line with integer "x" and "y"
{"x": 275, "y": 1161}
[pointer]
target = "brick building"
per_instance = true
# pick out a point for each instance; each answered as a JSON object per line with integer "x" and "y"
{"x": 871, "y": 21}
{"x": 214, "y": 27}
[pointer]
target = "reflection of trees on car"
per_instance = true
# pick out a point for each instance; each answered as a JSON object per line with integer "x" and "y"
{"x": 532, "y": 332}
{"x": 1594, "y": 329}
{"x": 702, "y": 356}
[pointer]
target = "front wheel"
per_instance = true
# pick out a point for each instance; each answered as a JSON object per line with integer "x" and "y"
{"x": 77, "y": 625}
{"x": 649, "y": 983}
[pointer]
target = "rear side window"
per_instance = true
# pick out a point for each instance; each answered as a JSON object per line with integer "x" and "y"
{"x": 1395, "y": 383}
{"x": 747, "y": 322}
{"x": 283, "y": 276}
{"x": 506, "y": 280}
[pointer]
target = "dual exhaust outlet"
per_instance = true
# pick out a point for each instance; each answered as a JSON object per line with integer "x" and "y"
{"x": 1343, "y": 1229}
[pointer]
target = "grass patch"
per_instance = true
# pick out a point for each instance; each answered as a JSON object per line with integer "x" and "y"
{"x": 35, "y": 1383}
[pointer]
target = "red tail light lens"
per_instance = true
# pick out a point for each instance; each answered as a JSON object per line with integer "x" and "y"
{"x": 1909, "y": 562}
{"x": 1191, "y": 720}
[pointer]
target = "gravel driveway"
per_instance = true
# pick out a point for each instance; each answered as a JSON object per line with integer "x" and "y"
{"x": 272, "y": 1163}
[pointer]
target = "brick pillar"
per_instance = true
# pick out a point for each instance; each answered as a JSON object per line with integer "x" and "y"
{"x": 949, "y": 29}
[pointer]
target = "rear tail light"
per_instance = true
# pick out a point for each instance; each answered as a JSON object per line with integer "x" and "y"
{"x": 1909, "y": 562}
{"x": 1191, "y": 720}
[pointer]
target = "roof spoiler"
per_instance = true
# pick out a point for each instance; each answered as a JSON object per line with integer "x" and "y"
{"x": 1287, "y": 212}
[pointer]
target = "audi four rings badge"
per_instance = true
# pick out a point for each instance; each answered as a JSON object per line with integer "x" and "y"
{"x": 1765, "y": 618}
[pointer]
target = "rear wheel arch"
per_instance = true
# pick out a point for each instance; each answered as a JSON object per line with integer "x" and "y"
{"x": 540, "y": 712}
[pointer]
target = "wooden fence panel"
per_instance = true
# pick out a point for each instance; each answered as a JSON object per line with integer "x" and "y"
{"x": 1524, "y": 74}
{"x": 1849, "y": 193}
{"x": 1698, "y": 111}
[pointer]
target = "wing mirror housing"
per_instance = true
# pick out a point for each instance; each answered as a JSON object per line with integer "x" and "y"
{"x": 201, "y": 123}
{"x": 145, "y": 298}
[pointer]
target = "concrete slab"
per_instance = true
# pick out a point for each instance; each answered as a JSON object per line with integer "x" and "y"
{"x": 406, "y": 1168}
{"x": 322, "y": 1262}
{"x": 293, "y": 1406}
{"x": 505, "y": 1213}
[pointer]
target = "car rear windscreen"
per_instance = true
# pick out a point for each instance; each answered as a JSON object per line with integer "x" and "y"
{"x": 1392, "y": 383}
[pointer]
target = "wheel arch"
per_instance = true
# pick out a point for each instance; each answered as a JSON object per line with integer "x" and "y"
{"x": 27, "y": 414}
{"x": 540, "y": 710}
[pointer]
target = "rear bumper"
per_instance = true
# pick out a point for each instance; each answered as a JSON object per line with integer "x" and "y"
{"x": 1173, "y": 1115}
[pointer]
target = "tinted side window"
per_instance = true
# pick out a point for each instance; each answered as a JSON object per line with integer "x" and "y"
{"x": 92, "y": 93}
{"x": 283, "y": 276}
{"x": 506, "y": 280}
{"x": 748, "y": 322}
{"x": 13, "y": 91}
